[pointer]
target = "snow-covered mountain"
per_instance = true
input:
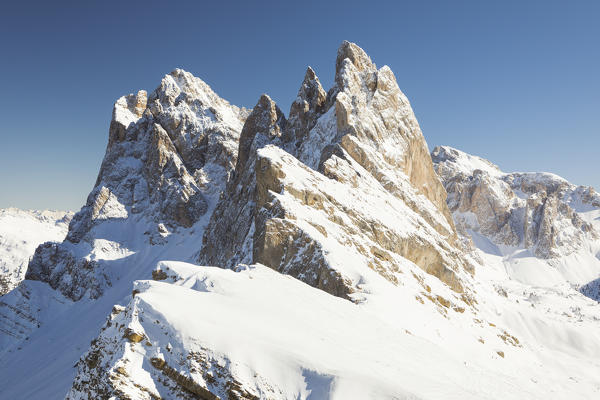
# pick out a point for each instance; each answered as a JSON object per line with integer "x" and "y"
{"x": 20, "y": 233}
{"x": 227, "y": 253}
{"x": 545, "y": 229}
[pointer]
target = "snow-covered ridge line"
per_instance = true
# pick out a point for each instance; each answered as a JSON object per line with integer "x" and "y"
{"x": 284, "y": 328}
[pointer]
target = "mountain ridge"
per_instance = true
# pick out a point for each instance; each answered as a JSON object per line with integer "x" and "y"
{"x": 339, "y": 267}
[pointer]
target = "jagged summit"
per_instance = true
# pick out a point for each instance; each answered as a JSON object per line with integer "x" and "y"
{"x": 362, "y": 133}
{"x": 182, "y": 156}
{"x": 357, "y": 56}
{"x": 310, "y": 103}
{"x": 168, "y": 157}
{"x": 265, "y": 119}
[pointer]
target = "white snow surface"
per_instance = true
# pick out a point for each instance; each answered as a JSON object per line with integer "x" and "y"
{"x": 281, "y": 338}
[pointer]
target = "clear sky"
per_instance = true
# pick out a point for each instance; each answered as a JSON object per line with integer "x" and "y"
{"x": 517, "y": 82}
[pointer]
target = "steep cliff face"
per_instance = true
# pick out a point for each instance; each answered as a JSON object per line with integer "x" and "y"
{"x": 166, "y": 153}
{"x": 535, "y": 211}
{"x": 168, "y": 157}
{"x": 361, "y": 138}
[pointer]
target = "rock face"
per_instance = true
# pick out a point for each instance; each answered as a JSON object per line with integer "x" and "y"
{"x": 20, "y": 233}
{"x": 168, "y": 157}
{"x": 528, "y": 210}
{"x": 363, "y": 138}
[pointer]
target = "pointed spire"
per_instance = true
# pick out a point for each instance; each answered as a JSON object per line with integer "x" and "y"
{"x": 311, "y": 91}
{"x": 355, "y": 54}
{"x": 265, "y": 118}
{"x": 306, "y": 108}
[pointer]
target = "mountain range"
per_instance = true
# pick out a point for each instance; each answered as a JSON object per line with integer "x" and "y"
{"x": 227, "y": 253}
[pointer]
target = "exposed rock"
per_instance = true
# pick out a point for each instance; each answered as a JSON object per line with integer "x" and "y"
{"x": 309, "y": 105}
{"x": 127, "y": 110}
{"x": 74, "y": 277}
{"x": 227, "y": 240}
{"x": 342, "y": 197}
{"x": 377, "y": 127}
{"x": 132, "y": 336}
{"x": 106, "y": 370}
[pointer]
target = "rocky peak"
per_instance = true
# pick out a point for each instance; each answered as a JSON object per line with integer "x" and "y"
{"x": 190, "y": 156}
{"x": 355, "y": 55}
{"x": 167, "y": 161}
{"x": 126, "y": 111}
{"x": 308, "y": 106}
{"x": 377, "y": 127}
{"x": 266, "y": 119}
{"x": 197, "y": 120}
{"x": 362, "y": 135}
{"x": 311, "y": 91}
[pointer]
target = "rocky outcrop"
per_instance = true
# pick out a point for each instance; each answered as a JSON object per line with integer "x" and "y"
{"x": 110, "y": 368}
{"x": 529, "y": 210}
{"x": 305, "y": 216}
{"x": 309, "y": 105}
{"x": 227, "y": 240}
{"x": 326, "y": 262}
{"x": 377, "y": 127}
{"x": 163, "y": 153}
{"x": 182, "y": 156}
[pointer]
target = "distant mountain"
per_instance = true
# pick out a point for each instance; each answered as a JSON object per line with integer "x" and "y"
{"x": 246, "y": 254}
{"x": 20, "y": 233}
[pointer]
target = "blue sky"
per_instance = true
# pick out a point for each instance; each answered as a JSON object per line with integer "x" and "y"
{"x": 515, "y": 82}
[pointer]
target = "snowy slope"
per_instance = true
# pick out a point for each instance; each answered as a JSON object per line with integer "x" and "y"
{"x": 20, "y": 233}
{"x": 254, "y": 333}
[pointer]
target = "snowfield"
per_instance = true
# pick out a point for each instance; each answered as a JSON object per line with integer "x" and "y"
{"x": 279, "y": 338}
